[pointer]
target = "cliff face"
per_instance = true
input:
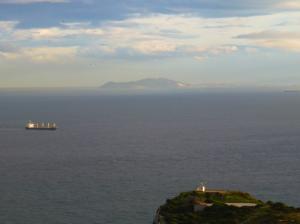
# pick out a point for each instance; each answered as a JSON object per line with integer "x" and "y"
{"x": 218, "y": 207}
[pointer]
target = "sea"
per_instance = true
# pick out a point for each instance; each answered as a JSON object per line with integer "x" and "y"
{"x": 114, "y": 159}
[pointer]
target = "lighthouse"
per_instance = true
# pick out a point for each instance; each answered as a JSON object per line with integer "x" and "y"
{"x": 201, "y": 188}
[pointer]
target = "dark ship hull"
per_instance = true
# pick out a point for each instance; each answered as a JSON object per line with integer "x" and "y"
{"x": 43, "y": 129}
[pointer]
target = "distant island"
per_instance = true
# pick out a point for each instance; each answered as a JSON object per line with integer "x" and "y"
{"x": 145, "y": 84}
{"x": 223, "y": 207}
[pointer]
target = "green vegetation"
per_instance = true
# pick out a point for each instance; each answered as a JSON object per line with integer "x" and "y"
{"x": 225, "y": 197}
{"x": 180, "y": 210}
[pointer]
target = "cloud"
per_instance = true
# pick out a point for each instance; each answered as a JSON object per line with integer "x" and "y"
{"x": 154, "y": 47}
{"x": 168, "y": 35}
{"x": 275, "y": 39}
{"x": 224, "y": 50}
{"x": 6, "y": 46}
{"x": 271, "y": 34}
{"x": 40, "y": 15}
{"x": 154, "y": 36}
{"x": 55, "y": 33}
{"x": 7, "y": 26}
{"x": 286, "y": 44}
{"x": 31, "y": 1}
{"x": 95, "y": 51}
{"x": 294, "y": 5}
{"x": 41, "y": 54}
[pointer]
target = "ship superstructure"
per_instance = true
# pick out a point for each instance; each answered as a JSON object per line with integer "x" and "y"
{"x": 40, "y": 126}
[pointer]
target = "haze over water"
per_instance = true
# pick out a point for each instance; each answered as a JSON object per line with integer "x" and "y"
{"x": 115, "y": 159}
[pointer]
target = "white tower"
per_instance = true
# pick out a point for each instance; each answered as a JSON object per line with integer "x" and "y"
{"x": 201, "y": 188}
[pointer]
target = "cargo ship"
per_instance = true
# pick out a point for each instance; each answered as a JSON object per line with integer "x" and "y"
{"x": 40, "y": 126}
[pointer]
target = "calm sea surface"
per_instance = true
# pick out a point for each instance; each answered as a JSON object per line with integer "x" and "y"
{"x": 115, "y": 159}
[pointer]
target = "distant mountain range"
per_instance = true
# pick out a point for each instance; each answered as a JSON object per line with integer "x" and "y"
{"x": 145, "y": 84}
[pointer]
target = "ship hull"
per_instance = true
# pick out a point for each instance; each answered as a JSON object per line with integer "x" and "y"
{"x": 41, "y": 129}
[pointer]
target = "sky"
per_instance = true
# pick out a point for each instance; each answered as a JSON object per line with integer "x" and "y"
{"x": 85, "y": 43}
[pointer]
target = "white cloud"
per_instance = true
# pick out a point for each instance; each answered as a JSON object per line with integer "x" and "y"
{"x": 54, "y": 33}
{"x": 7, "y": 26}
{"x": 42, "y": 54}
{"x": 224, "y": 50}
{"x": 271, "y": 34}
{"x": 154, "y": 47}
{"x": 76, "y": 24}
{"x": 275, "y": 39}
{"x": 156, "y": 35}
{"x": 286, "y": 44}
{"x": 191, "y": 34}
{"x": 288, "y": 5}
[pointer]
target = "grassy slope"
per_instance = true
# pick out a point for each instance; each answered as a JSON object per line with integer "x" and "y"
{"x": 180, "y": 210}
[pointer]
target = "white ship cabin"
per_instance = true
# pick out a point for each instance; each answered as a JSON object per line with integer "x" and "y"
{"x": 34, "y": 125}
{"x": 30, "y": 124}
